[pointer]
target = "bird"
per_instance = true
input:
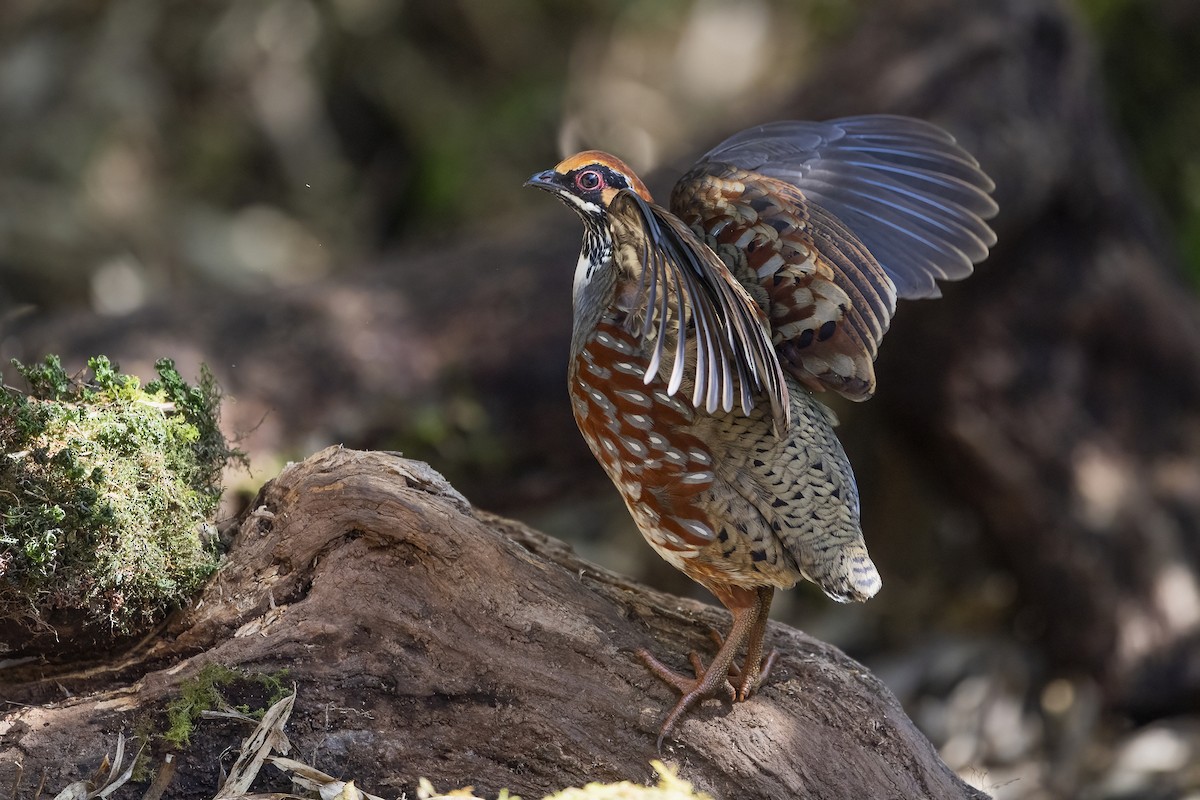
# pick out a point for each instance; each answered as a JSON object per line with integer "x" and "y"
{"x": 703, "y": 333}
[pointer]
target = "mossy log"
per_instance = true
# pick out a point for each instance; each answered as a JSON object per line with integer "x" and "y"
{"x": 428, "y": 638}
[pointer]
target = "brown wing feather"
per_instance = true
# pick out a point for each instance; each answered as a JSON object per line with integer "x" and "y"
{"x": 828, "y": 301}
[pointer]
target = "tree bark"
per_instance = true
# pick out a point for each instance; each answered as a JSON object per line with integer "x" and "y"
{"x": 427, "y": 638}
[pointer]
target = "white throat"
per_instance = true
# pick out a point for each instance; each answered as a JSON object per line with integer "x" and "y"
{"x": 595, "y": 255}
{"x": 584, "y": 269}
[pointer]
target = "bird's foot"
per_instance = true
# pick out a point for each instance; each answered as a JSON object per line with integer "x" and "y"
{"x": 744, "y": 686}
{"x": 747, "y": 682}
{"x": 692, "y": 690}
{"x": 682, "y": 683}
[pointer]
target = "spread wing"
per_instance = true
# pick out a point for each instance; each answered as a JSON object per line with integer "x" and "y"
{"x": 834, "y": 220}
{"x": 909, "y": 193}
{"x": 684, "y": 303}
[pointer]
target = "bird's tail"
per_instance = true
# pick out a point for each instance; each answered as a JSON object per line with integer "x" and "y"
{"x": 852, "y": 576}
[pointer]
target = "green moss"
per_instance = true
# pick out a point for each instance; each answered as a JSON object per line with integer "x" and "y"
{"x": 107, "y": 492}
{"x": 206, "y": 692}
{"x": 144, "y": 731}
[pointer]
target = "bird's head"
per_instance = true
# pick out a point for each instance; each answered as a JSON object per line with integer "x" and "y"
{"x": 588, "y": 182}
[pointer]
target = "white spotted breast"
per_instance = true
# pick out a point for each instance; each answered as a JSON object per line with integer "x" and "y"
{"x": 641, "y": 437}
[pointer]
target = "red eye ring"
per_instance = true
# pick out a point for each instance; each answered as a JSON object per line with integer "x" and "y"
{"x": 589, "y": 180}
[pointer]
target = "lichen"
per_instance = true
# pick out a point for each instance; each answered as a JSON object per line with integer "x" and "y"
{"x": 669, "y": 787}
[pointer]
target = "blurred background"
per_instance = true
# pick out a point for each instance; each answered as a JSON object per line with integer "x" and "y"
{"x": 321, "y": 199}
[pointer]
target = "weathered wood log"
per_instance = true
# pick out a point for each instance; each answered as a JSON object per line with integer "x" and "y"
{"x": 428, "y": 638}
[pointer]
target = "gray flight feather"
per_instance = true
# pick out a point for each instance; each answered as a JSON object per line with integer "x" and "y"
{"x": 904, "y": 187}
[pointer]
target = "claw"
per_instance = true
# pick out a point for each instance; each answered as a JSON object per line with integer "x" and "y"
{"x": 747, "y": 688}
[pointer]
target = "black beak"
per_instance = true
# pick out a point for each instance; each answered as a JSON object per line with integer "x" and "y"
{"x": 547, "y": 179}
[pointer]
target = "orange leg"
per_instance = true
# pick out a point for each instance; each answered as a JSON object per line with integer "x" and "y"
{"x": 755, "y": 669}
{"x": 749, "y": 608}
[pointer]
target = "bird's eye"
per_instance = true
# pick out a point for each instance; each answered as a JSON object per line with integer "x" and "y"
{"x": 589, "y": 180}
